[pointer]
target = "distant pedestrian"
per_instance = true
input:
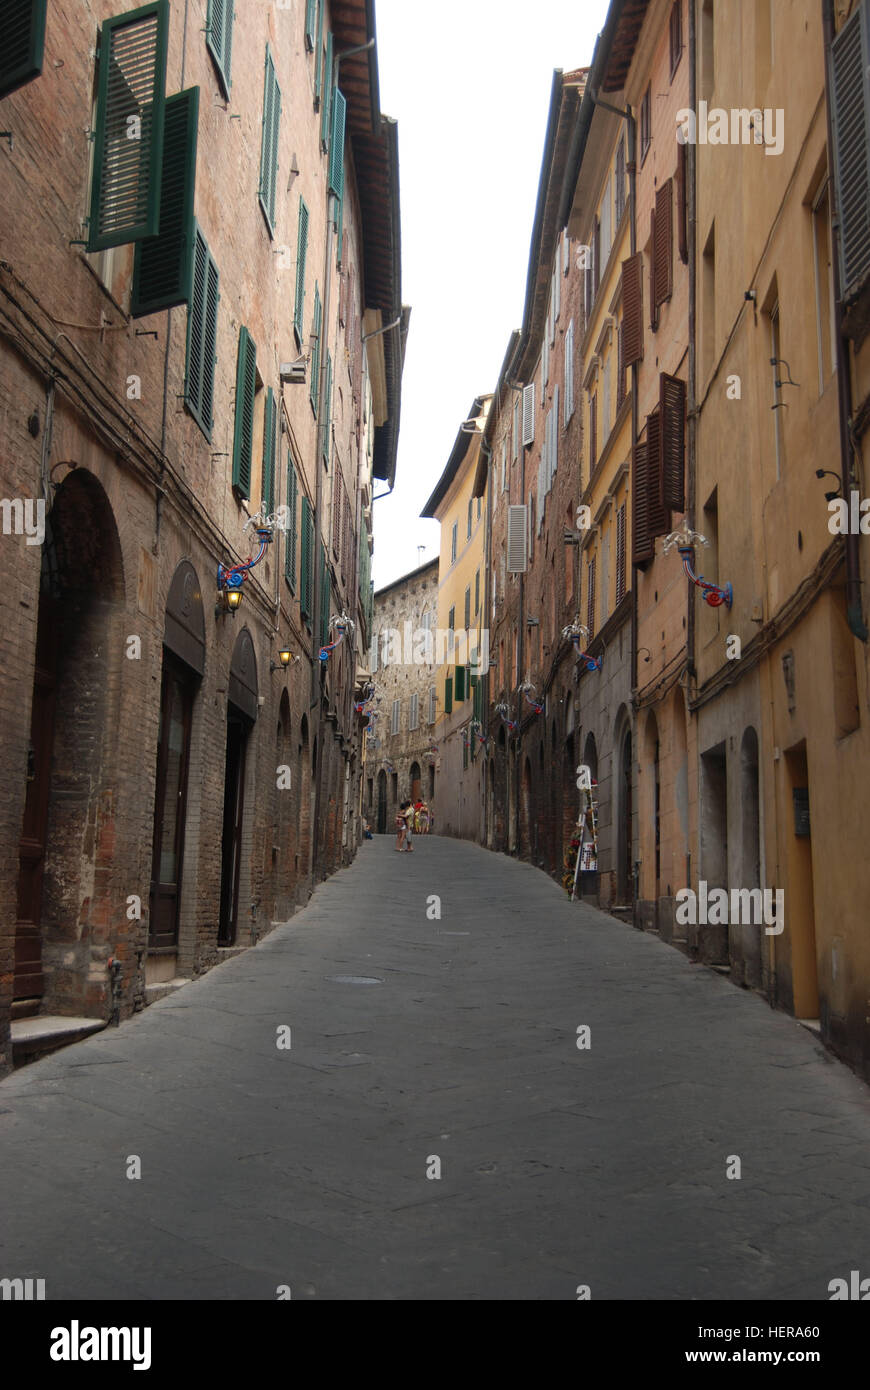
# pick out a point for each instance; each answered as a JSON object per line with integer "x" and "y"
{"x": 401, "y": 826}
{"x": 409, "y": 826}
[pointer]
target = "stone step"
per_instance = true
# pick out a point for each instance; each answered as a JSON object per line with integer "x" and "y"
{"x": 162, "y": 988}
{"x": 36, "y": 1037}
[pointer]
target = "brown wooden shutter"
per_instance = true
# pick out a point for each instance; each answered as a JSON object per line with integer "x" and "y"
{"x": 672, "y": 400}
{"x": 620, "y": 555}
{"x": 632, "y": 309}
{"x": 653, "y": 302}
{"x": 620, "y": 366}
{"x": 593, "y": 432}
{"x": 659, "y": 516}
{"x": 663, "y": 241}
{"x": 682, "y": 203}
{"x": 590, "y": 597}
{"x": 596, "y": 258}
{"x": 642, "y": 547}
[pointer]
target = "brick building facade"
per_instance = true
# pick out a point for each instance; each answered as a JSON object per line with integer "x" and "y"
{"x": 400, "y": 759}
{"x": 182, "y": 305}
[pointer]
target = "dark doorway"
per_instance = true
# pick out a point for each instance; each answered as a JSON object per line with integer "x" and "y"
{"x": 416, "y": 782}
{"x": 28, "y": 980}
{"x": 238, "y": 729}
{"x": 242, "y": 705}
{"x": 382, "y": 802}
{"x": 625, "y": 878}
{"x": 170, "y": 803}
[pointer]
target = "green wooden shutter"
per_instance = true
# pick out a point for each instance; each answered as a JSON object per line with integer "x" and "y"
{"x": 269, "y": 147}
{"x": 163, "y": 265}
{"x": 306, "y": 573}
{"x": 327, "y": 409}
{"x": 314, "y": 384}
{"x": 459, "y": 685}
{"x": 128, "y": 141}
{"x": 326, "y": 109}
{"x": 301, "y": 254}
{"x": 202, "y": 336}
{"x": 477, "y": 692}
{"x": 243, "y": 439}
{"x": 219, "y": 40}
{"x": 290, "y": 535}
{"x": 318, "y": 49}
{"x": 270, "y": 431}
{"x": 22, "y": 25}
{"x": 448, "y": 696}
{"x": 336, "y": 155}
{"x": 310, "y": 24}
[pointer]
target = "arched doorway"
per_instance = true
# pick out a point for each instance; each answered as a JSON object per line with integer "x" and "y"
{"x": 625, "y": 825}
{"x": 285, "y": 819}
{"x": 242, "y": 703}
{"x": 65, "y": 886}
{"x": 382, "y": 802}
{"x": 303, "y": 858}
{"x": 750, "y": 871}
{"x": 524, "y": 847}
{"x": 183, "y": 667}
{"x": 651, "y": 830}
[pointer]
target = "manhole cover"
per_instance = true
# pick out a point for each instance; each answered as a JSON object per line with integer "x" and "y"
{"x": 354, "y": 979}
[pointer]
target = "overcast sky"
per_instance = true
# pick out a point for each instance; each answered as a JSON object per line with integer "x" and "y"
{"x": 469, "y": 83}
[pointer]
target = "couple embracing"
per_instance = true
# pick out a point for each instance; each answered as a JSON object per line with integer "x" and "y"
{"x": 404, "y": 827}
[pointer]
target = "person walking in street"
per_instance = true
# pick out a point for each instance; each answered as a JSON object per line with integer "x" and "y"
{"x": 401, "y": 827}
{"x": 409, "y": 825}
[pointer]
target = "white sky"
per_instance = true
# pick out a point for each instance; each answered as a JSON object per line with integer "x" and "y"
{"x": 469, "y": 83}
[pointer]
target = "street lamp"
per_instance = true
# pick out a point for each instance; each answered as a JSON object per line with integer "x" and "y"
{"x": 285, "y": 656}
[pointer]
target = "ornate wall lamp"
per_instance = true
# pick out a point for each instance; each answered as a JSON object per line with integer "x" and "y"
{"x": 528, "y": 691}
{"x": 341, "y": 625}
{"x": 578, "y": 634}
{"x": 231, "y": 578}
{"x": 685, "y": 541}
{"x": 503, "y": 711}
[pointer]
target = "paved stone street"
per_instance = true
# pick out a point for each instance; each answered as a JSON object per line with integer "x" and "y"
{"x": 559, "y": 1167}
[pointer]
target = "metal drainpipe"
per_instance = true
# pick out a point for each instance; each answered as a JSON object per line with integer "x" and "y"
{"x": 692, "y": 432}
{"x": 518, "y": 757}
{"x": 487, "y": 617}
{"x": 854, "y": 614}
{"x": 322, "y": 445}
{"x": 692, "y": 440}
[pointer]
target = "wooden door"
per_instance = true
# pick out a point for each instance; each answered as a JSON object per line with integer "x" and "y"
{"x": 231, "y": 843}
{"x": 28, "y": 980}
{"x": 170, "y": 804}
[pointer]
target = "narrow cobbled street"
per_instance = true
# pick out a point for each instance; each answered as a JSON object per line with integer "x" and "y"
{"x": 314, "y": 1166}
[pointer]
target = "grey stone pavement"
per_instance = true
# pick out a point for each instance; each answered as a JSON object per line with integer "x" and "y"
{"x": 559, "y": 1167}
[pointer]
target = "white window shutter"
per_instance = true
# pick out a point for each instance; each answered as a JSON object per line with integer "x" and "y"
{"x": 503, "y": 465}
{"x": 517, "y": 540}
{"x": 566, "y": 254}
{"x": 529, "y": 414}
{"x": 394, "y": 725}
{"x": 557, "y": 296}
{"x": 554, "y": 459}
{"x": 545, "y": 362}
{"x": 569, "y": 372}
{"x": 413, "y": 720}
